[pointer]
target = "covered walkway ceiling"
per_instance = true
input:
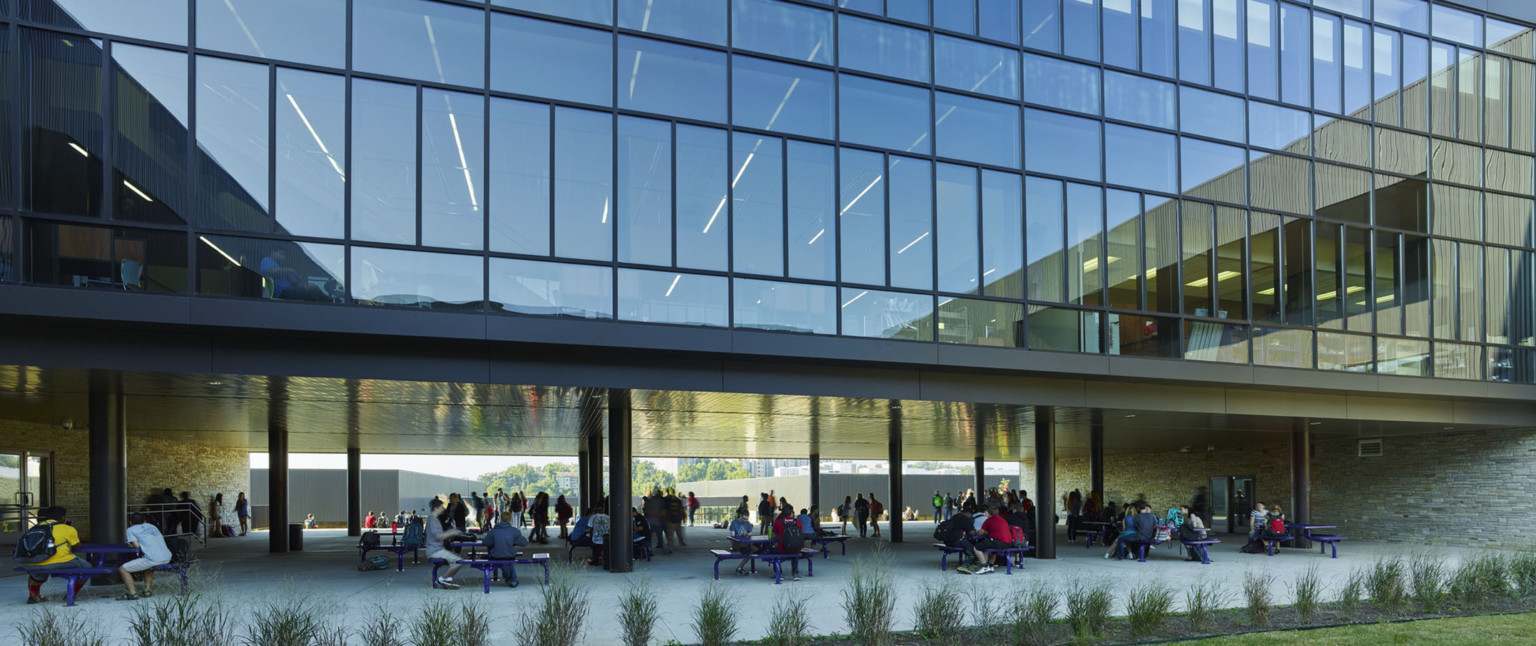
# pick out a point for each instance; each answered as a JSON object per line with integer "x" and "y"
{"x": 385, "y": 416}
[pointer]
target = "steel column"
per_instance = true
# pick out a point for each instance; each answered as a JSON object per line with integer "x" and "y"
{"x": 107, "y": 448}
{"x": 593, "y": 494}
{"x": 1045, "y": 482}
{"x": 354, "y": 491}
{"x": 894, "y": 506}
{"x": 815, "y": 482}
{"x": 583, "y": 480}
{"x": 277, "y": 465}
{"x": 1096, "y": 454}
{"x": 1301, "y": 477}
{"x": 621, "y": 553}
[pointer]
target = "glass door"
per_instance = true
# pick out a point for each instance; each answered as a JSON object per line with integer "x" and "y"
{"x": 1221, "y": 504}
{"x": 26, "y": 484}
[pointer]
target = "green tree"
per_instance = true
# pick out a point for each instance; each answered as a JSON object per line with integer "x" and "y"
{"x": 711, "y": 470}
{"x": 530, "y": 479}
{"x": 644, "y": 477}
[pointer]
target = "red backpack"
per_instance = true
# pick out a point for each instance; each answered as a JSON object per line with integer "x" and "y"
{"x": 1277, "y": 525}
{"x": 1018, "y": 535}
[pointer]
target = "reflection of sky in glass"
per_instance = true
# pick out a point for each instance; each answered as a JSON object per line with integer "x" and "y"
{"x": 889, "y": 315}
{"x": 790, "y": 307}
{"x": 159, "y": 20}
{"x": 429, "y": 41}
{"x": 669, "y": 297}
{"x": 304, "y": 31}
{"x": 701, "y": 21}
{"x": 396, "y": 277}
{"x": 781, "y": 97}
{"x": 311, "y": 113}
{"x": 232, "y": 121}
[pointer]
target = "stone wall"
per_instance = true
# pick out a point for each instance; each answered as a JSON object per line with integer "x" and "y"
{"x": 153, "y": 464}
{"x": 1473, "y": 489}
{"x": 1169, "y": 478}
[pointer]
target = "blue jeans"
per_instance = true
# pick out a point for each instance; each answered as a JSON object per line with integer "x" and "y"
{"x": 938, "y": 513}
{"x": 509, "y": 573}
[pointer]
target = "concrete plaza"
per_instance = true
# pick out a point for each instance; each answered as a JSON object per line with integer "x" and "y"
{"x": 242, "y": 575}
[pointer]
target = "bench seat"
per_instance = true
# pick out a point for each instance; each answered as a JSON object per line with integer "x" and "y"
{"x": 1327, "y": 541}
{"x": 726, "y": 555}
{"x": 824, "y": 541}
{"x": 945, "y": 551}
{"x": 1271, "y": 541}
{"x": 1009, "y": 554}
{"x": 72, "y": 575}
{"x": 1139, "y": 548}
{"x": 491, "y": 568}
{"x": 1199, "y": 547}
{"x": 778, "y": 561}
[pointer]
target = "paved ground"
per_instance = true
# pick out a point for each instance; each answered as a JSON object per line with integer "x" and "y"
{"x": 242, "y": 575}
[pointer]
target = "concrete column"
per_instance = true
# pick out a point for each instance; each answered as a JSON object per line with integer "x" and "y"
{"x": 277, "y": 465}
{"x": 895, "y": 505}
{"x": 621, "y": 553}
{"x": 594, "y": 488}
{"x": 1045, "y": 482}
{"x": 815, "y": 481}
{"x": 583, "y": 482}
{"x": 1301, "y": 477}
{"x": 1096, "y": 454}
{"x": 107, "y": 449}
{"x": 354, "y": 491}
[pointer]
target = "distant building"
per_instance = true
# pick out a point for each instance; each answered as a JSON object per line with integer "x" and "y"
{"x": 323, "y": 492}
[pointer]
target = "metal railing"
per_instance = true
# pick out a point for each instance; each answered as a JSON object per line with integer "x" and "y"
{"x": 176, "y": 519}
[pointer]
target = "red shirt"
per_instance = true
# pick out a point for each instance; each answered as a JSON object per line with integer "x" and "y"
{"x": 996, "y": 528}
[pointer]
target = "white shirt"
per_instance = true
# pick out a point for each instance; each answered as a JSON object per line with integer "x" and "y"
{"x": 150, "y": 542}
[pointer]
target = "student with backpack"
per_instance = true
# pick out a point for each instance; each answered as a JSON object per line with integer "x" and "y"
{"x": 938, "y": 507}
{"x": 675, "y": 511}
{"x": 48, "y": 545}
{"x": 501, "y": 543}
{"x": 861, "y": 515}
{"x": 875, "y": 511}
{"x": 956, "y": 532}
{"x": 790, "y": 539}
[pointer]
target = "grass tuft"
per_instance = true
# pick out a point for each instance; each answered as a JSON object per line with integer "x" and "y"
{"x": 869, "y": 601}
{"x": 714, "y": 620}
{"x": 1479, "y": 581}
{"x": 637, "y": 613}
{"x": 1257, "y": 592}
{"x": 1387, "y": 584}
{"x": 791, "y": 622}
{"x": 1522, "y": 573}
{"x": 1201, "y": 603}
{"x": 181, "y": 620}
{"x": 1032, "y": 612}
{"x": 1351, "y": 592}
{"x": 1306, "y": 594}
{"x": 557, "y": 618}
{"x": 940, "y": 618}
{"x": 1147, "y": 609}
{"x": 1428, "y": 587}
{"x": 985, "y": 610}
{"x": 48, "y": 627}
{"x": 380, "y": 629}
{"x": 1087, "y": 610}
{"x": 292, "y": 621}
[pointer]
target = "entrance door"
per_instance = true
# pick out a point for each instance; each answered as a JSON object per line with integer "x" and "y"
{"x": 26, "y": 484}
{"x": 1231, "y": 500}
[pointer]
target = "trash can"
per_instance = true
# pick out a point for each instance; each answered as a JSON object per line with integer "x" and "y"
{"x": 295, "y": 537}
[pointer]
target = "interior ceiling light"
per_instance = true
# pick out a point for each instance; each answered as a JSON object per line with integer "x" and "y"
{"x": 78, "y": 149}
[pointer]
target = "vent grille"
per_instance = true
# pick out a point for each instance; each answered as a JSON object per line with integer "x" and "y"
{"x": 1370, "y": 448}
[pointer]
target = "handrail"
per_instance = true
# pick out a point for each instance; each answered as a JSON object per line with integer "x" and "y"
{"x": 160, "y": 511}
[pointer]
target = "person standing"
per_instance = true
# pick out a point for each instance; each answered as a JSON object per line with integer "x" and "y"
{"x": 477, "y": 504}
{"x": 541, "y": 517}
{"x": 789, "y": 538}
{"x": 153, "y": 552}
{"x": 675, "y": 511}
{"x": 938, "y": 507}
{"x": 215, "y": 513}
{"x": 1074, "y": 513}
{"x": 742, "y": 509}
{"x": 458, "y": 512}
{"x": 765, "y": 514}
{"x": 693, "y": 508}
{"x": 861, "y": 515}
{"x": 875, "y": 510}
{"x": 843, "y": 511}
{"x": 518, "y": 506}
{"x": 563, "y": 511}
{"x": 243, "y": 511}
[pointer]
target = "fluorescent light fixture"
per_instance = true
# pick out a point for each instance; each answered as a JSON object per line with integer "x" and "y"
{"x": 1227, "y": 275}
{"x": 228, "y": 257}
{"x": 915, "y": 241}
{"x": 1267, "y": 292}
{"x": 302, "y": 117}
{"x": 1151, "y": 273}
{"x": 861, "y": 194}
{"x": 946, "y": 302}
{"x": 673, "y": 285}
{"x": 988, "y": 272}
{"x": 78, "y": 149}
{"x": 463, "y": 163}
{"x": 719, "y": 207}
{"x": 1091, "y": 264}
{"x": 1199, "y": 283}
{"x": 1383, "y": 299}
{"x": 817, "y": 236}
{"x": 605, "y": 211}
{"x": 1328, "y": 296}
{"x": 851, "y": 300}
{"x": 136, "y": 190}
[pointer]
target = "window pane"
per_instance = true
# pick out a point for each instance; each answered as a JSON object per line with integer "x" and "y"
{"x": 520, "y": 163}
{"x": 1194, "y": 42}
{"x": 1279, "y": 183}
{"x": 1263, "y": 55}
{"x": 998, "y": 19}
{"x": 812, "y": 198}
{"x": 1282, "y": 348}
{"x": 703, "y": 170}
{"x": 588, "y": 10}
{"x": 232, "y": 144}
{"x": 138, "y": 260}
{"x": 417, "y": 279}
{"x": 159, "y": 20}
{"x": 1458, "y": 361}
{"x": 911, "y": 223}
{"x": 1063, "y": 330}
{"x": 1343, "y": 193}
{"x": 1264, "y": 263}
{"x": 1295, "y": 55}
{"x": 1044, "y": 219}
{"x": 1387, "y": 51}
{"x": 1144, "y": 336}
{"x": 60, "y": 98}
{"x": 1080, "y": 26}
{"x": 909, "y": 10}
{"x": 882, "y": 48}
{"x": 1122, "y": 261}
{"x": 1228, "y": 31}
{"x": 1469, "y": 294}
{"x": 1458, "y": 212}
{"x": 1120, "y": 44}
{"x": 552, "y": 289}
{"x": 1496, "y": 284}
{"x": 1061, "y": 145}
{"x": 1231, "y": 288}
{"x": 1511, "y": 38}
{"x": 1042, "y": 24}
{"x": 1141, "y": 158}
{"x": 1206, "y": 341}
{"x": 1387, "y": 280}
{"x": 1278, "y": 128}
{"x": 977, "y": 130}
{"x": 757, "y": 204}
{"x": 1459, "y": 26}
{"x": 781, "y": 97}
{"x": 1296, "y": 287}
{"x": 150, "y": 154}
{"x": 976, "y": 67}
{"x": 1509, "y": 220}
{"x": 667, "y": 297}
{"x": 973, "y": 322}
{"x": 452, "y": 170}
{"x": 1212, "y": 171}
{"x": 670, "y": 79}
{"x": 1197, "y": 219}
{"x": 303, "y": 31}
{"x": 1416, "y": 286}
{"x": 887, "y": 315}
{"x": 1402, "y": 357}
{"x": 311, "y": 153}
{"x": 1211, "y": 114}
{"x": 7, "y": 250}
{"x": 1415, "y": 94}
{"x": 955, "y": 15}
{"x": 429, "y": 41}
{"x": 583, "y": 184}
{"x": 1060, "y": 84}
{"x": 1346, "y": 352}
{"x": 782, "y": 29}
{"x": 1157, "y": 44}
{"x": 701, "y": 21}
{"x": 1326, "y": 257}
{"x": 1347, "y": 142}
{"x": 958, "y": 229}
{"x": 574, "y": 63}
{"x": 8, "y": 88}
{"x": 1161, "y": 252}
{"x": 1138, "y": 99}
{"x": 645, "y": 191}
{"x": 276, "y": 269}
{"x": 1002, "y": 215}
{"x": 1085, "y": 217}
{"x": 1457, "y": 163}
{"x": 785, "y": 307}
{"x": 862, "y": 217}
{"x": 383, "y": 162}
{"x": 884, "y": 114}
{"x": 1357, "y": 69}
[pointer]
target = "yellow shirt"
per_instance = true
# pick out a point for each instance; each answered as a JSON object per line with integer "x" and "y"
{"x": 64, "y": 538}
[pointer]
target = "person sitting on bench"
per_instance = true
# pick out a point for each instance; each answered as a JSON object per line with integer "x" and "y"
{"x": 147, "y": 538}
{"x": 440, "y": 528}
{"x": 64, "y": 540}
{"x": 1140, "y": 526}
{"x": 501, "y": 544}
{"x": 789, "y": 539}
{"x": 994, "y": 534}
{"x": 816, "y": 529}
{"x": 743, "y": 528}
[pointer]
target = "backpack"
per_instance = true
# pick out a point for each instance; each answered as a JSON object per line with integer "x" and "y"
{"x": 952, "y": 530}
{"x": 1187, "y": 533}
{"x": 415, "y": 536}
{"x": 791, "y": 539}
{"x": 181, "y": 551}
{"x": 228, "y": 531}
{"x": 674, "y": 509}
{"x": 875, "y": 509}
{"x": 375, "y": 563}
{"x": 1018, "y": 536}
{"x": 36, "y": 544}
{"x": 1277, "y": 525}
{"x": 370, "y": 539}
{"x": 1163, "y": 532}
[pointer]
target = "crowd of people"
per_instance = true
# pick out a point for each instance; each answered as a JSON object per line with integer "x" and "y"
{"x": 171, "y": 515}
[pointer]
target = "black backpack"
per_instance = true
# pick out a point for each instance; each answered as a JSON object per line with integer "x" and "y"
{"x": 674, "y": 509}
{"x": 791, "y": 540}
{"x": 36, "y": 545}
{"x": 181, "y": 550}
{"x": 953, "y": 529}
{"x": 370, "y": 539}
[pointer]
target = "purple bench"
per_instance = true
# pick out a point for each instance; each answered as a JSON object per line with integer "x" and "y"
{"x": 946, "y": 551}
{"x": 1199, "y": 547}
{"x": 491, "y": 568}
{"x": 72, "y": 575}
{"x": 1009, "y": 554}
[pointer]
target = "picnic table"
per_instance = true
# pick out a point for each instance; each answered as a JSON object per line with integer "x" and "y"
{"x": 758, "y": 548}
{"x": 491, "y": 568}
{"x": 824, "y": 541}
{"x": 1094, "y": 529}
{"x": 1326, "y": 540}
{"x": 100, "y": 567}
